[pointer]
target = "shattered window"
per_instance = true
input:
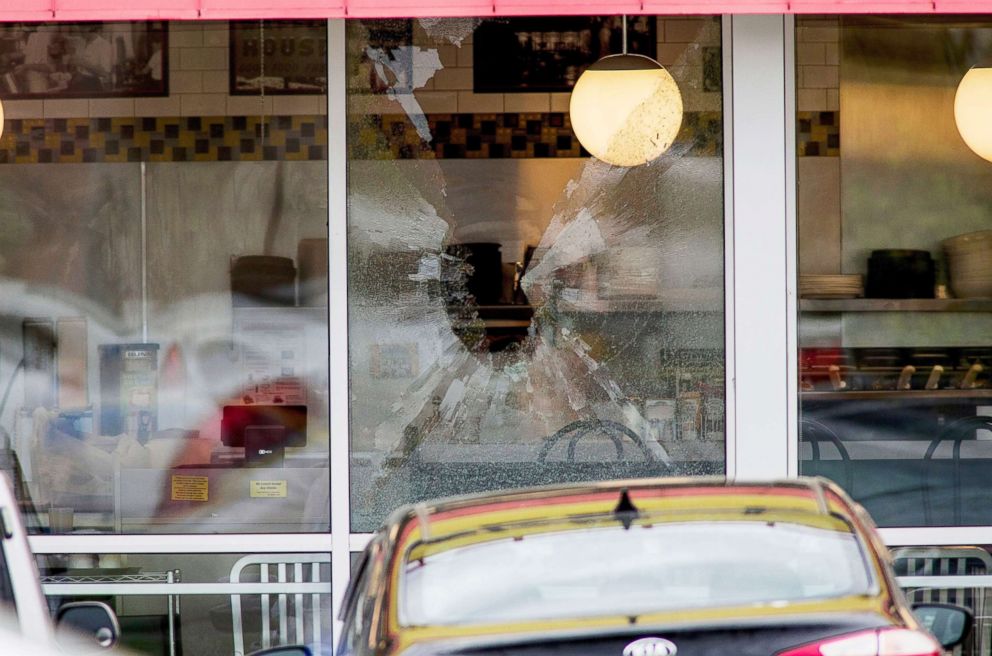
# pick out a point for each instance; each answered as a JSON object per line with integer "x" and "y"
{"x": 520, "y": 312}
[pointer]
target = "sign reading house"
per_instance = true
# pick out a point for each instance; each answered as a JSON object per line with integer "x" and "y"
{"x": 284, "y": 57}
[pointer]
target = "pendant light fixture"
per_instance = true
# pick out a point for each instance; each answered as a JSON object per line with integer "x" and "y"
{"x": 971, "y": 110}
{"x": 626, "y": 109}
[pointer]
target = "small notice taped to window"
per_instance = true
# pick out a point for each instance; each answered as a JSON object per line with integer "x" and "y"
{"x": 190, "y": 488}
{"x": 268, "y": 490}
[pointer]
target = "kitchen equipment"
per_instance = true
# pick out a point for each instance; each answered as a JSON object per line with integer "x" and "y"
{"x": 900, "y": 273}
{"x": 895, "y": 369}
{"x": 968, "y": 382}
{"x": 38, "y": 339}
{"x": 905, "y": 376}
{"x": 485, "y": 279}
{"x": 263, "y": 280}
{"x": 933, "y": 381}
{"x": 660, "y": 416}
{"x": 833, "y": 371}
{"x": 129, "y": 389}
{"x": 71, "y": 360}
{"x": 311, "y": 254}
{"x": 831, "y": 285}
{"x": 969, "y": 263}
{"x": 264, "y": 431}
{"x": 509, "y": 282}
{"x": 826, "y": 368}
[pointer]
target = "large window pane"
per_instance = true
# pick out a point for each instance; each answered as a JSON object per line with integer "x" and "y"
{"x": 521, "y": 313}
{"x": 895, "y": 317}
{"x": 163, "y": 335}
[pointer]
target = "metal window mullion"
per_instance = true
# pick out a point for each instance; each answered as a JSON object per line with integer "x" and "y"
{"x": 298, "y": 605}
{"x": 183, "y": 543}
{"x": 283, "y": 604}
{"x": 943, "y": 583}
{"x": 265, "y": 588}
{"x": 760, "y": 246}
{"x": 357, "y": 541}
{"x": 937, "y": 536}
{"x": 315, "y": 622}
{"x": 263, "y": 577}
{"x": 337, "y": 204}
{"x": 791, "y": 250}
{"x": 730, "y": 405}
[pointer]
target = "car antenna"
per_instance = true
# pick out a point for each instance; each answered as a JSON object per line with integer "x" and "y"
{"x": 625, "y": 509}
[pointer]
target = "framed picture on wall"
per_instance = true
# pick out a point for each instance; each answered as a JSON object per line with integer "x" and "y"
{"x": 83, "y": 60}
{"x": 278, "y": 57}
{"x": 519, "y": 55}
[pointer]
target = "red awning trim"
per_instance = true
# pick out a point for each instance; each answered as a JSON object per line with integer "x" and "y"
{"x": 74, "y": 10}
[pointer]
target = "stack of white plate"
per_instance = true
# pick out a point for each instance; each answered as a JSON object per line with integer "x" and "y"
{"x": 840, "y": 285}
{"x": 969, "y": 263}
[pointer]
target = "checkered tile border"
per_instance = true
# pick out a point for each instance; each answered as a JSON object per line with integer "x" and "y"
{"x": 819, "y": 134}
{"x": 294, "y": 138}
{"x": 494, "y": 136}
{"x": 164, "y": 139}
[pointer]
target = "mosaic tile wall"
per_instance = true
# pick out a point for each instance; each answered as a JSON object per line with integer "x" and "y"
{"x": 818, "y": 134}
{"x": 164, "y": 139}
{"x": 493, "y": 136}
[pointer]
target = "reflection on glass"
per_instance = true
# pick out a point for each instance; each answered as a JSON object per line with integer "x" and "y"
{"x": 159, "y": 275}
{"x": 768, "y": 563}
{"x": 928, "y": 562}
{"x": 521, "y": 313}
{"x": 895, "y": 260}
{"x": 221, "y": 622}
{"x": 6, "y": 588}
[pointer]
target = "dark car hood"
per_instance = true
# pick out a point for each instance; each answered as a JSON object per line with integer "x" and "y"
{"x": 764, "y": 636}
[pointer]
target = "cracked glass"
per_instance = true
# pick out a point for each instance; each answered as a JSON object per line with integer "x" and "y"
{"x": 521, "y": 313}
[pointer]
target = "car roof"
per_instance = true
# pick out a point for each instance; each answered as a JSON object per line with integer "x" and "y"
{"x": 688, "y": 498}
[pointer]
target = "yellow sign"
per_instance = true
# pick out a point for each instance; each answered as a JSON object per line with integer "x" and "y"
{"x": 269, "y": 490}
{"x": 190, "y": 488}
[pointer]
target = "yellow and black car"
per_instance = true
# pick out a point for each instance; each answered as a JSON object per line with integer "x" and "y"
{"x": 686, "y": 567}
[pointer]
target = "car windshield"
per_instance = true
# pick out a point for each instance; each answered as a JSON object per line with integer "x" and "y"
{"x": 617, "y": 571}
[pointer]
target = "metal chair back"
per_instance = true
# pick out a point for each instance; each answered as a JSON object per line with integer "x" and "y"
{"x": 951, "y": 561}
{"x": 285, "y": 618}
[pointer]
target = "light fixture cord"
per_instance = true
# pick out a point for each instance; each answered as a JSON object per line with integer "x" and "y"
{"x": 261, "y": 72}
{"x": 625, "y": 34}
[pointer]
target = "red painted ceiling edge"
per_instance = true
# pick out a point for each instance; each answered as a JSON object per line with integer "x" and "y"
{"x": 82, "y": 10}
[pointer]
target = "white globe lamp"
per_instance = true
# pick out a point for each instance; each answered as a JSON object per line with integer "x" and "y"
{"x": 973, "y": 110}
{"x": 626, "y": 110}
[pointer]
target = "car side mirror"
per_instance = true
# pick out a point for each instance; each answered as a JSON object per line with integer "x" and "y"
{"x": 87, "y": 626}
{"x": 285, "y": 650}
{"x": 948, "y": 623}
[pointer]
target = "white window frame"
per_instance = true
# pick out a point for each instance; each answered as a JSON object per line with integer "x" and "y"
{"x": 341, "y": 542}
{"x": 761, "y": 317}
{"x": 763, "y": 218}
